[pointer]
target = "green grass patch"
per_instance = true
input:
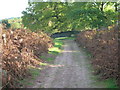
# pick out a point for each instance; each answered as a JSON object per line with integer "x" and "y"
{"x": 46, "y": 58}
{"x": 43, "y": 64}
{"x": 58, "y": 42}
{"x": 42, "y": 57}
{"x": 65, "y": 38}
{"x": 110, "y": 83}
{"x": 34, "y": 72}
{"x": 50, "y": 59}
{"x": 27, "y": 81}
{"x": 54, "y": 50}
{"x": 57, "y": 47}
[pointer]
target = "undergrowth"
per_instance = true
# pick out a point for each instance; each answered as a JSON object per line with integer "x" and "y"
{"x": 108, "y": 83}
{"x": 34, "y": 72}
{"x": 57, "y": 48}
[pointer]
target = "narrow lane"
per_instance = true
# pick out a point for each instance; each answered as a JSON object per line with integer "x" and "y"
{"x": 72, "y": 71}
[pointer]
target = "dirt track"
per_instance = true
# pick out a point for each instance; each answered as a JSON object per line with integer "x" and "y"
{"x": 71, "y": 70}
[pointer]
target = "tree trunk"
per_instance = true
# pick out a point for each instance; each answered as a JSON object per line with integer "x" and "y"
{"x": 116, "y": 9}
{"x": 101, "y": 7}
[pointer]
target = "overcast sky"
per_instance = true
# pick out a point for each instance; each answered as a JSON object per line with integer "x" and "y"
{"x": 12, "y": 8}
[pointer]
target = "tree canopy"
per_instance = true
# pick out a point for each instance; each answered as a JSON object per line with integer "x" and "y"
{"x": 52, "y": 17}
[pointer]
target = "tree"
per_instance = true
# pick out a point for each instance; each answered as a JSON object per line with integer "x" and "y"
{"x": 6, "y": 24}
{"x": 52, "y": 17}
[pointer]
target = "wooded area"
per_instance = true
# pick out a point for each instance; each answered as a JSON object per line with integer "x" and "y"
{"x": 54, "y": 17}
{"x": 24, "y": 40}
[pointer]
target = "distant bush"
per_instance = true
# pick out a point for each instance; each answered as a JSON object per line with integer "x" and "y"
{"x": 15, "y": 25}
{"x": 6, "y": 24}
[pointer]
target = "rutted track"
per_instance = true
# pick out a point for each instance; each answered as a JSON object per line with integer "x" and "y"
{"x": 71, "y": 70}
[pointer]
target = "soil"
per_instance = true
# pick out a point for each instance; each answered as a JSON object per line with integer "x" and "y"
{"x": 71, "y": 69}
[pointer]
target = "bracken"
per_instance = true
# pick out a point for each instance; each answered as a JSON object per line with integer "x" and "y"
{"x": 103, "y": 45}
{"x": 21, "y": 48}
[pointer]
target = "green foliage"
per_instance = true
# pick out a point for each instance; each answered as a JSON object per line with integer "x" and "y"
{"x": 111, "y": 83}
{"x": 15, "y": 23}
{"x": 52, "y": 17}
{"x": 6, "y": 24}
{"x": 45, "y": 16}
{"x": 57, "y": 46}
{"x": 89, "y": 16}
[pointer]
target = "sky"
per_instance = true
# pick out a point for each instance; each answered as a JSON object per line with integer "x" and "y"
{"x": 12, "y": 8}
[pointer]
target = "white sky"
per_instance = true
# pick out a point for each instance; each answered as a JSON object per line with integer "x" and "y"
{"x": 12, "y": 8}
